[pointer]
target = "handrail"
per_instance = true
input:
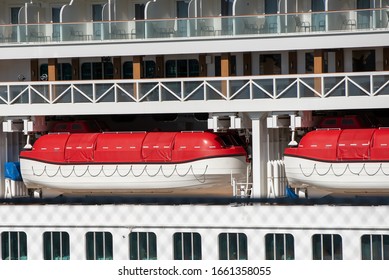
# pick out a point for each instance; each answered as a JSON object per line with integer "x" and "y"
{"x": 201, "y": 27}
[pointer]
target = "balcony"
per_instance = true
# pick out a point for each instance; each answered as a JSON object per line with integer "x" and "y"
{"x": 245, "y": 94}
{"x": 299, "y": 24}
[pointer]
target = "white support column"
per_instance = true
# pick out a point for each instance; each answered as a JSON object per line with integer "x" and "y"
{"x": 259, "y": 155}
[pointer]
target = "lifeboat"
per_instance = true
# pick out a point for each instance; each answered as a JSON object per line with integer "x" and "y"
{"x": 131, "y": 162}
{"x": 349, "y": 161}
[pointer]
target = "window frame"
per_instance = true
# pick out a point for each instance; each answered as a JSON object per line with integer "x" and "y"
{"x": 136, "y": 240}
{"x": 320, "y": 244}
{"x": 237, "y": 241}
{"x": 102, "y": 242}
{"x": 10, "y": 246}
{"x": 182, "y": 241}
{"x": 50, "y": 242}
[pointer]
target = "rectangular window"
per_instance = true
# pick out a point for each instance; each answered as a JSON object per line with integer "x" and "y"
{"x": 96, "y": 70}
{"x": 270, "y": 64}
{"x": 143, "y": 246}
{"x": 99, "y": 246}
{"x": 232, "y": 246}
{"x": 375, "y": 247}
{"x": 14, "y": 245}
{"x": 56, "y": 245}
{"x": 327, "y": 247}
{"x": 279, "y": 246}
{"x": 187, "y": 246}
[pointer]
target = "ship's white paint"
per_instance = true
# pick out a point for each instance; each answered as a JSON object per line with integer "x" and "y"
{"x": 350, "y": 222}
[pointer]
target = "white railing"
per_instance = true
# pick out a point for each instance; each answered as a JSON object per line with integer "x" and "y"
{"x": 213, "y": 26}
{"x": 275, "y": 87}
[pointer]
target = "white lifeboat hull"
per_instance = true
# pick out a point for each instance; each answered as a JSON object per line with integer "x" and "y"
{"x": 127, "y": 178}
{"x": 338, "y": 177}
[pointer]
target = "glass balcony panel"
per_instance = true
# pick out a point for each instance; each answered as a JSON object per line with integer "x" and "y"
{"x": 310, "y": 87}
{"x": 171, "y": 91}
{"x": 381, "y": 84}
{"x": 105, "y": 93}
{"x": 215, "y": 90}
{"x": 359, "y": 85}
{"x": 240, "y": 89}
{"x": 334, "y": 86}
{"x": 83, "y": 93}
{"x": 286, "y": 88}
{"x": 262, "y": 88}
{"x": 193, "y": 90}
{"x": 40, "y": 94}
{"x": 125, "y": 93}
{"x": 3, "y": 94}
{"x": 19, "y": 94}
{"x": 345, "y": 20}
{"x": 148, "y": 91}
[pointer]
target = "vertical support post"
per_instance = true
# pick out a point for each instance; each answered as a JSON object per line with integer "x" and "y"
{"x": 259, "y": 159}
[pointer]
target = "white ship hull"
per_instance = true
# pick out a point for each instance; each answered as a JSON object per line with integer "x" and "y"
{"x": 342, "y": 177}
{"x": 119, "y": 178}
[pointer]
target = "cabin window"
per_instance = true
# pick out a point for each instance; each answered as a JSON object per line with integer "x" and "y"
{"x": 270, "y": 64}
{"x": 182, "y": 68}
{"x": 279, "y": 246}
{"x": 14, "y": 245}
{"x": 375, "y": 247}
{"x": 327, "y": 247}
{"x": 364, "y": 60}
{"x": 99, "y": 246}
{"x": 64, "y": 71}
{"x": 97, "y": 70}
{"x": 143, "y": 246}
{"x": 232, "y": 246}
{"x": 56, "y": 245}
{"x": 149, "y": 69}
{"x": 128, "y": 70}
{"x": 187, "y": 246}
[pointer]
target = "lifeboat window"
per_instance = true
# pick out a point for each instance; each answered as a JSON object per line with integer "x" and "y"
{"x": 61, "y": 127}
{"x": 143, "y": 246}
{"x": 348, "y": 122}
{"x": 327, "y": 247}
{"x": 279, "y": 246}
{"x": 187, "y": 246}
{"x": 232, "y": 246}
{"x": 99, "y": 246}
{"x": 375, "y": 247}
{"x": 14, "y": 245}
{"x": 56, "y": 245}
{"x": 76, "y": 127}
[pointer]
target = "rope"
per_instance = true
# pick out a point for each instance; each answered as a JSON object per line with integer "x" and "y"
{"x": 347, "y": 168}
{"x": 201, "y": 178}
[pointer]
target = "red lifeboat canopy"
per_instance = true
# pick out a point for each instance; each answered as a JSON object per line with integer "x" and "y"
{"x": 343, "y": 145}
{"x": 130, "y": 147}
